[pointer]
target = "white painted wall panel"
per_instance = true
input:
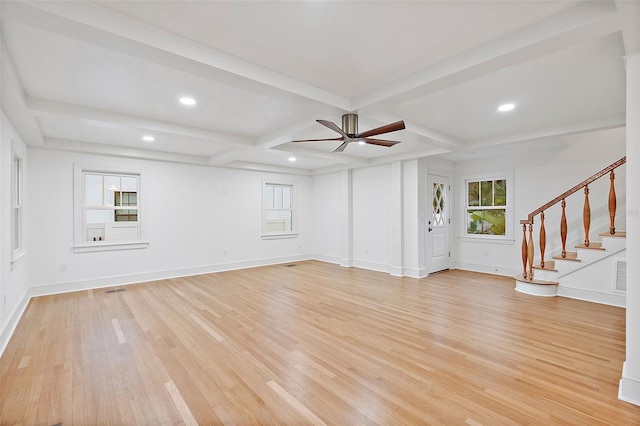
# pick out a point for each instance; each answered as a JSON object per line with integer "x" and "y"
{"x": 196, "y": 219}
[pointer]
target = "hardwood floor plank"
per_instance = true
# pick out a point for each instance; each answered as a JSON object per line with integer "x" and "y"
{"x": 315, "y": 343}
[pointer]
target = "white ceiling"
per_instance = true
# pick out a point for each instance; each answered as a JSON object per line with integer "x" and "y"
{"x": 97, "y": 76}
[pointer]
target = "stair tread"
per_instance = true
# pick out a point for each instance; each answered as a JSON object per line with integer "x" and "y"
{"x": 534, "y": 281}
{"x": 592, "y": 246}
{"x": 549, "y": 265}
{"x": 618, "y": 234}
{"x": 571, "y": 255}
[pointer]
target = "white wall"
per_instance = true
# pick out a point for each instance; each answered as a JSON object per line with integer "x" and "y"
{"x": 327, "y": 217}
{"x": 190, "y": 215}
{"x": 540, "y": 176}
{"x": 13, "y": 278}
{"x": 371, "y": 215}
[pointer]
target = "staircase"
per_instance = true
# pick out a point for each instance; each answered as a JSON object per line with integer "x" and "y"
{"x": 546, "y": 277}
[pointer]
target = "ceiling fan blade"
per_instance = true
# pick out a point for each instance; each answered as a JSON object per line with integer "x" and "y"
{"x": 341, "y": 147}
{"x": 398, "y": 125}
{"x": 318, "y": 140}
{"x": 380, "y": 142}
{"x": 333, "y": 127}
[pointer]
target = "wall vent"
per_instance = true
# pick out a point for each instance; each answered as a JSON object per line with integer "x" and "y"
{"x": 117, "y": 290}
{"x": 621, "y": 276}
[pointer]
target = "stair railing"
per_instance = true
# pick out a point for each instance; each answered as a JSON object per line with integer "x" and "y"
{"x": 527, "y": 224}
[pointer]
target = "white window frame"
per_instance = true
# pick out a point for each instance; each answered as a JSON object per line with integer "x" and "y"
{"x": 266, "y": 235}
{"x": 17, "y": 208}
{"x": 79, "y": 244}
{"x": 499, "y": 239}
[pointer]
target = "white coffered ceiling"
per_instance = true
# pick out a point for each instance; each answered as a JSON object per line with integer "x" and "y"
{"x": 97, "y": 76}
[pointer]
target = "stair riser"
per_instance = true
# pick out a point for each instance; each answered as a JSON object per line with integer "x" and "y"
{"x": 613, "y": 243}
{"x": 541, "y": 274}
{"x": 536, "y": 289}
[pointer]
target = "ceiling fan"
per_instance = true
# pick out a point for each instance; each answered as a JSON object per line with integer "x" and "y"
{"x": 349, "y": 132}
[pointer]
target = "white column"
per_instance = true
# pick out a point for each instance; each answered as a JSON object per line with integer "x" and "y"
{"x": 629, "y": 389}
{"x": 396, "y": 221}
{"x": 411, "y": 218}
{"x": 346, "y": 218}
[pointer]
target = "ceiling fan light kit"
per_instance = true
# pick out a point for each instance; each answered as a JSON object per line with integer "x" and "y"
{"x": 349, "y": 132}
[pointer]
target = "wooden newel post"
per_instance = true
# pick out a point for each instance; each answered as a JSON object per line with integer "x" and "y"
{"x": 543, "y": 239}
{"x": 586, "y": 216}
{"x": 530, "y": 252}
{"x": 563, "y": 229}
{"x": 524, "y": 251}
{"x": 612, "y": 203}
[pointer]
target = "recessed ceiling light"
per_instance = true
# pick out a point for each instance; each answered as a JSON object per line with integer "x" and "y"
{"x": 506, "y": 107}
{"x": 148, "y": 138}
{"x": 187, "y": 101}
{"x": 360, "y": 142}
{"x": 292, "y": 159}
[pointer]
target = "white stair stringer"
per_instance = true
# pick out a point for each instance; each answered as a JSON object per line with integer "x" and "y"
{"x": 591, "y": 277}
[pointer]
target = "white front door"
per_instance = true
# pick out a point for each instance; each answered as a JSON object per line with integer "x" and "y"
{"x": 438, "y": 223}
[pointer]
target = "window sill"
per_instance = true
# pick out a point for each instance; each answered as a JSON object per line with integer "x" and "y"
{"x": 487, "y": 240}
{"x": 110, "y": 246}
{"x": 279, "y": 236}
{"x": 16, "y": 258}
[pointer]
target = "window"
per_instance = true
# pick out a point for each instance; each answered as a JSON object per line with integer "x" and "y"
{"x": 487, "y": 207}
{"x": 16, "y": 207}
{"x": 278, "y": 217}
{"x": 107, "y": 210}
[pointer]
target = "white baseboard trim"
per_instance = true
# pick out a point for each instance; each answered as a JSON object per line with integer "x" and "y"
{"x": 485, "y": 269}
{"x": 629, "y": 389}
{"x": 327, "y": 259}
{"x": 611, "y": 299}
{"x": 9, "y": 327}
{"x": 378, "y": 267}
{"x": 416, "y": 272}
{"x": 66, "y": 287}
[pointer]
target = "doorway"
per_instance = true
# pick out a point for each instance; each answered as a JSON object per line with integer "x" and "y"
{"x": 438, "y": 223}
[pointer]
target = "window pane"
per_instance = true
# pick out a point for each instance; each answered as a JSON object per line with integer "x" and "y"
{"x": 488, "y": 222}
{"x": 111, "y": 186}
{"x": 269, "y": 196}
{"x": 279, "y": 221}
{"x": 17, "y": 177}
{"x": 486, "y": 193}
{"x": 473, "y": 193}
{"x": 15, "y": 228}
{"x": 500, "y": 197}
{"x": 99, "y": 216}
{"x": 277, "y": 197}
{"x": 438, "y": 204}
{"x": 286, "y": 197}
{"x": 93, "y": 190}
{"x": 126, "y": 215}
{"x": 129, "y": 184}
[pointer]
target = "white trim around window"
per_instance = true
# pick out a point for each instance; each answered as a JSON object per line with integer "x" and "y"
{"x": 278, "y": 211}
{"x": 17, "y": 208}
{"x": 107, "y": 209}
{"x": 507, "y": 238}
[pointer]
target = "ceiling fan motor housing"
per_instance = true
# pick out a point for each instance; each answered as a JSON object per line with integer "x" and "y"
{"x": 350, "y": 124}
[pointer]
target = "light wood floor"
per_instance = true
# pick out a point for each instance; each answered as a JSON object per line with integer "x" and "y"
{"x": 315, "y": 344}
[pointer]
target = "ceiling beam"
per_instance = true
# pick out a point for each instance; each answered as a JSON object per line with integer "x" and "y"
{"x": 579, "y": 24}
{"x": 105, "y": 27}
{"x": 590, "y": 125}
{"x": 120, "y": 151}
{"x": 13, "y": 101}
{"x": 41, "y": 107}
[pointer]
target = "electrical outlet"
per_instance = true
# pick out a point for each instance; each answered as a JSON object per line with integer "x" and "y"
{"x": 4, "y": 298}
{"x": 63, "y": 267}
{"x": 225, "y": 252}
